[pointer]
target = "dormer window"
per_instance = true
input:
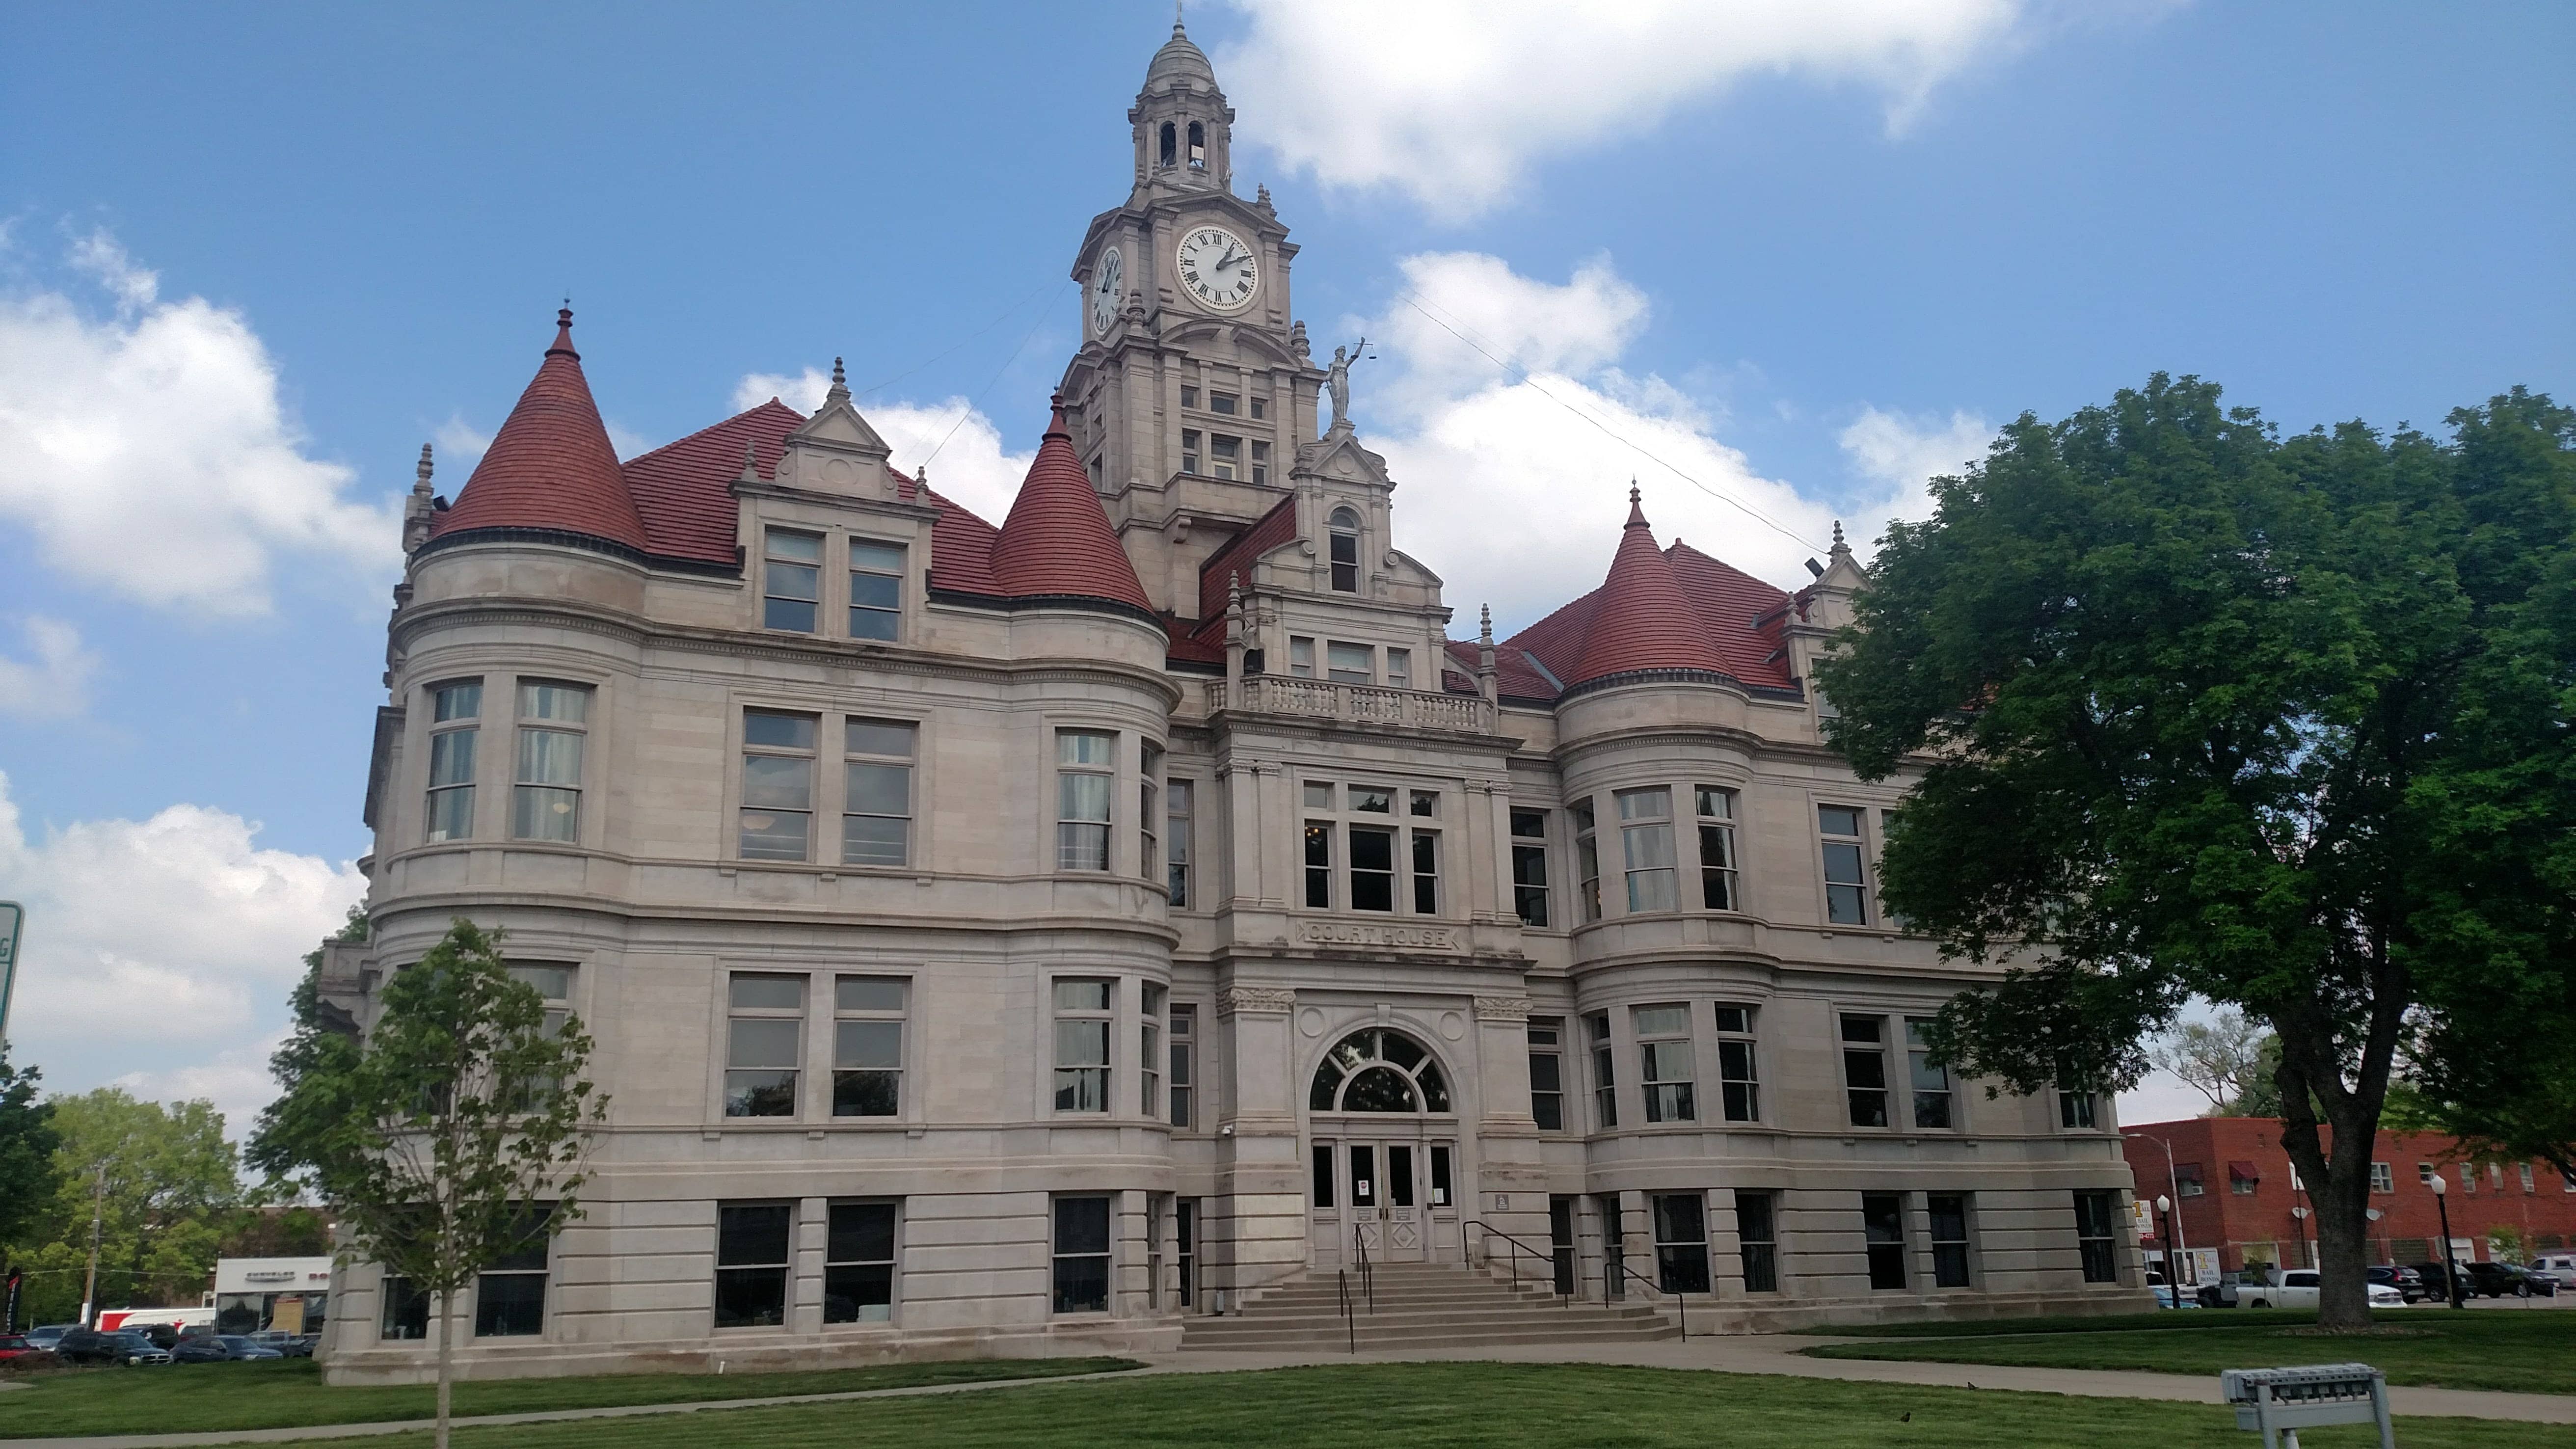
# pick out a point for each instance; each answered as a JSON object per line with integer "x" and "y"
{"x": 1198, "y": 147}
{"x": 1345, "y": 530}
{"x": 1167, "y": 143}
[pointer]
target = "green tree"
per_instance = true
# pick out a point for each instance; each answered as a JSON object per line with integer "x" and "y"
{"x": 142, "y": 1191}
{"x": 2279, "y": 724}
{"x": 455, "y": 1134}
{"x": 322, "y": 1044}
{"x": 2221, "y": 1058}
{"x": 27, "y": 1173}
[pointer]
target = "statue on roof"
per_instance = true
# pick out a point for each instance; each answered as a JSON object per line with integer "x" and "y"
{"x": 1337, "y": 381}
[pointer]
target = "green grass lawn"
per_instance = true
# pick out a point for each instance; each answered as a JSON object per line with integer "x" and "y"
{"x": 1432, "y": 1406}
{"x": 2526, "y": 1352}
{"x": 288, "y": 1393}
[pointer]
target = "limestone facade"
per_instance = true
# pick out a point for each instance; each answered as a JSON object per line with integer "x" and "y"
{"x": 980, "y": 962}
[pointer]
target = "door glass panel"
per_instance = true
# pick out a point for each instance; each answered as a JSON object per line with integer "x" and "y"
{"x": 1323, "y": 1176}
{"x": 1440, "y": 1176}
{"x": 1399, "y": 1175}
{"x": 1363, "y": 1177}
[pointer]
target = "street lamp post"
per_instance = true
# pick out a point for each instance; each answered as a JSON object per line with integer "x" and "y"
{"x": 2164, "y": 1231}
{"x": 2173, "y": 1181}
{"x": 2450, "y": 1265}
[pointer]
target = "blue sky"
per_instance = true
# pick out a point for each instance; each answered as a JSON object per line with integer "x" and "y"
{"x": 255, "y": 256}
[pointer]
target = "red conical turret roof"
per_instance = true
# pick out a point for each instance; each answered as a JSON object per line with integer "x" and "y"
{"x": 1642, "y": 619}
{"x": 1057, "y": 539}
{"x": 551, "y": 465}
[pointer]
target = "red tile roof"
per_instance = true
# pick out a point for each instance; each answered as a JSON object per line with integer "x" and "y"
{"x": 1057, "y": 539}
{"x": 1643, "y": 621}
{"x": 1239, "y": 553}
{"x": 550, "y": 466}
{"x": 1747, "y": 619}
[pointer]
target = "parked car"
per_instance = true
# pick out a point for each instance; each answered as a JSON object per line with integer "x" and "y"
{"x": 291, "y": 1345}
{"x": 47, "y": 1336}
{"x": 14, "y": 1344}
{"x": 2406, "y": 1281}
{"x": 2299, "y": 1287}
{"x": 2505, "y": 1280}
{"x": 245, "y": 1347}
{"x": 2561, "y": 1268}
{"x": 89, "y": 1346}
{"x": 139, "y": 1349}
{"x": 2166, "y": 1297}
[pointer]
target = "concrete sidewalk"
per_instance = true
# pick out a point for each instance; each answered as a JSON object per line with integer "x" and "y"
{"x": 1731, "y": 1353}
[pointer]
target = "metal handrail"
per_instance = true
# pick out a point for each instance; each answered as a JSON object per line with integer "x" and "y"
{"x": 1620, "y": 1266}
{"x": 1549, "y": 1257}
{"x": 1368, "y": 1270}
{"x": 1342, "y": 1292}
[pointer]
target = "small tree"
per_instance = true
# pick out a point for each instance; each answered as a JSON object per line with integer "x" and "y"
{"x": 27, "y": 1173}
{"x": 444, "y": 1136}
{"x": 2220, "y": 1058}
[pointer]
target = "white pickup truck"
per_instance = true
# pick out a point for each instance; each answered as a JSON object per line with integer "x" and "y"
{"x": 2297, "y": 1288}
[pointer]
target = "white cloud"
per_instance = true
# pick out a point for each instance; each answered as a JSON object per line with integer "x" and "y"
{"x": 1904, "y": 453}
{"x": 460, "y": 444}
{"x": 161, "y": 950}
{"x": 971, "y": 464}
{"x": 149, "y": 452}
{"x": 55, "y": 684}
{"x": 1452, "y": 101}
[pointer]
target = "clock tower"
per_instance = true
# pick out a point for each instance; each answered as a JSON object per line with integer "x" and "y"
{"x": 1194, "y": 386}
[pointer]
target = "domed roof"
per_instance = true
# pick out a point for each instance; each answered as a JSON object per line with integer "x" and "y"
{"x": 1179, "y": 58}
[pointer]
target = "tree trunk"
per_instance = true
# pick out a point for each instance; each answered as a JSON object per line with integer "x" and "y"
{"x": 446, "y": 1361}
{"x": 2336, "y": 1181}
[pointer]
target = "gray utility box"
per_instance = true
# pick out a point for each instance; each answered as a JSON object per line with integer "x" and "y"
{"x": 2282, "y": 1401}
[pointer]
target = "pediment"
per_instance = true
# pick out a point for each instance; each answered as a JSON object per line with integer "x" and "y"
{"x": 1338, "y": 456}
{"x": 838, "y": 427}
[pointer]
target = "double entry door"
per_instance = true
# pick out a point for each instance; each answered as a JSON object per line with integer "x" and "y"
{"x": 1394, "y": 1198}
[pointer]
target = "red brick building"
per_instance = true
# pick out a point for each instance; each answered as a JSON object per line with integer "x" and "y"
{"x": 2234, "y": 1192}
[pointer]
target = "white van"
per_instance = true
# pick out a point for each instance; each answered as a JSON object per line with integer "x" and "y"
{"x": 2297, "y": 1288}
{"x": 2559, "y": 1266}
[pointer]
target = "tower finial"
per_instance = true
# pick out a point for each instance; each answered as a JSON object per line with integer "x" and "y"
{"x": 1839, "y": 545}
{"x": 1177, "y": 30}
{"x": 750, "y": 463}
{"x": 840, "y": 390}
{"x": 1485, "y": 625}
{"x": 420, "y": 474}
{"x": 1636, "y": 506}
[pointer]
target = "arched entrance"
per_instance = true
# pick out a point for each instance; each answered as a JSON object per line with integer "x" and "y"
{"x": 1383, "y": 1164}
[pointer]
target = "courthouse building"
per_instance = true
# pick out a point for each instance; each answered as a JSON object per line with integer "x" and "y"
{"x": 1040, "y": 934}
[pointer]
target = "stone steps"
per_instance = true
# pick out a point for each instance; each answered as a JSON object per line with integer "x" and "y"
{"x": 1420, "y": 1306}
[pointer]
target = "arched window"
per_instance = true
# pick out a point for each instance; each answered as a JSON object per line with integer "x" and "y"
{"x": 1167, "y": 143}
{"x": 1198, "y": 147}
{"x": 1345, "y": 528}
{"x": 1376, "y": 1070}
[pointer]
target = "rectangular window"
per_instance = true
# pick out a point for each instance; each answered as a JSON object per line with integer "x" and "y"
{"x": 1221, "y": 402}
{"x": 1605, "y": 1077}
{"x": 2187, "y": 1180}
{"x": 1260, "y": 454}
{"x": 1865, "y": 1069}
{"x": 1345, "y": 558}
{"x": 1846, "y": 887}
{"x": 766, "y": 1045}
{"x": 1319, "y": 864}
{"x": 1681, "y": 1242}
{"x": 1440, "y": 1183}
{"x": 406, "y": 1315}
{"x": 1082, "y": 1046}
{"x": 1226, "y": 455}
{"x": 1190, "y": 450}
{"x": 1547, "y": 1073}
{"x": 1718, "y": 886}
{"x": 1149, "y": 809}
{"x": 1399, "y": 669}
{"x": 867, "y": 1045}
{"x": 777, "y": 785}
{"x": 2075, "y": 1109}
{"x": 2383, "y": 1178}
{"x": 1646, "y": 834}
{"x": 1176, "y": 842}
{"x": 858, "y": 1263}
{"x": 1758, "y": 1241}
{"x": 545, "y": 802}
{"x": 2424, "y": 1173}
{"x": 2525, "y": 1169}
{"x": 1426, "y": 872}
{"x": 876, "y": 808}
{"x": 791, "y": 573}
{"x": 1082, "y": 1255}
{"x": 1372, "y": 868}
{"x": 1350, "y": 663}
{"x": 1372, "y": 800}
{"x": 1737, "y": 1082}
{"x": 1083, "y": 761}
{"x": 751, "y": 1263}
{"x": 1323, "y": 1175}
{"x": 1882, "y": 1219}
{"x": 1587, "y": 860}
{"x": 510, "y": 1295}
{"x": 1260, "y": 408}
{"x": 1149, "y": 1051}
{"x": 1927, "y": 1081}
{"x": 1185, "y": 1067}
{"x": 553, "y": 985}
{"x": 455, "y": 713}
{"x": 1529, "y": 866}
{"x": 1189, "y": 398}
{"x": 1185, "y": 1244}
{"x": 876, "y": 589}
{"x": 1301, "y": 657}
{"x": 2094, "y": 1214}
{"x": 1949, "y": 1213}
{"x": 1664, "y": 1063}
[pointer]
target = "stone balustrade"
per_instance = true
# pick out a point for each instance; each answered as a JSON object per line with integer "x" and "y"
{"x": 1351, "y": 703}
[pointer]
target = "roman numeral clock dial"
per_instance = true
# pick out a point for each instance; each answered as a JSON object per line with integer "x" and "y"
{"x": 1217, "y": 267}
{"x": 1108, "y": 289}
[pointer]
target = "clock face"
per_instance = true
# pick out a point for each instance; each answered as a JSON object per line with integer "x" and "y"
{"x": 1217, "y": 267}
{"x": 1108, "y": 289}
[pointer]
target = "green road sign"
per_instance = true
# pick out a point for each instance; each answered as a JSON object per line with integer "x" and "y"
{"x": 13, "y": 920}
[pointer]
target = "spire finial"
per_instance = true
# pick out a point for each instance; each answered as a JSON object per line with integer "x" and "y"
{"x": 563, "y": 332}
{"x": 1177, "y": 31}
{"x": 1485, "y": 625}
{"x": 420, "y": 473}
{"x": 840, "y": 390}
{"x": 1839, "y": 545}
{"x": 1636, "y": 506}
{"x": 750, "y": 463}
